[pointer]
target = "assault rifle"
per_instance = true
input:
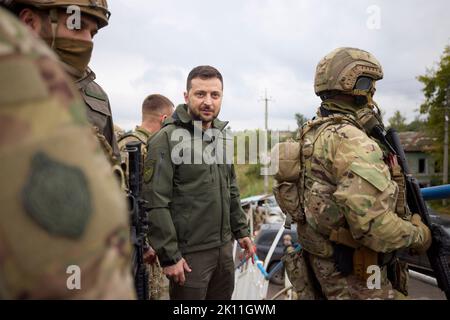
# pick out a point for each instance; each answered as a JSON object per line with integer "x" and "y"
{"x": 438, "y": 253}
{"x": 139, "y": 219}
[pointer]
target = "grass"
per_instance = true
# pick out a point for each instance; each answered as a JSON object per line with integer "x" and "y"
{"x": 250, "y": 181}
{"x": 437, "y": 206}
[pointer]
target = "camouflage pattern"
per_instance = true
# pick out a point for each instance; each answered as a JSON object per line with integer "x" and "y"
{"x": 337, "y": 287}
{"x": 299, "y": 275}
{"x": 138, "y": 134}
{"x": 96, "y": 8}
{"x": 347, "y": 184}
{"x": 118, "y": 132}
{"x": 340, "y": 69}
{"x": 156, "y": 281}
{"x": 61, "y": 206}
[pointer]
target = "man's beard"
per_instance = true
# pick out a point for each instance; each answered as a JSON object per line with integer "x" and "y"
{"x": 197, "y": 115}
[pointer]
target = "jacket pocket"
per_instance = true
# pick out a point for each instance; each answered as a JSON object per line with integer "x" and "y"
{"x": 97, "y": 104}
{"x": 181, "y": 210}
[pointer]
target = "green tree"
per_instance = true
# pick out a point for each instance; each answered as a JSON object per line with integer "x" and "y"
{"x": 416, "y": 125}
{"x": 398, "y": 122}
{"x": 436, "y": 89}
{"x": 301, "y": 119}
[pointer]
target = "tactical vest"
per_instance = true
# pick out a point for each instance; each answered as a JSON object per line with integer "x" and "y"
{"x": 293, "y": 191}
{"x": 135, "y": 135}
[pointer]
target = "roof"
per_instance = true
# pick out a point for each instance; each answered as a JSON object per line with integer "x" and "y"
{"x": 416, "y": 141}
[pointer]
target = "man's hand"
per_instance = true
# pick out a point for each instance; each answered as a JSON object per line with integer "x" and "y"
{"x": 247, "y": 244}
{"x": 422, "y": 247}
{"x": 176, "y": 271}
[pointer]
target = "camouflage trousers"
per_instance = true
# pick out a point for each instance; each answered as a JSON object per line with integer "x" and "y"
{"x": 156, "y": 281}
{"x": 314, "y": 277}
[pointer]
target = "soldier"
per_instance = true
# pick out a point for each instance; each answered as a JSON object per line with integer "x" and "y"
{"x": 52, "y": 21}
{"x": 194, "y": 206}
{"x": 155, "y": 109}
{"x": 63, "y": 227}
{"x": 351, "y": 214}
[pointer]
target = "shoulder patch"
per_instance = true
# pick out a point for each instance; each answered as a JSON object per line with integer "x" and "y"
{"x": 371, "y": 174}
{"x": 149, "y": 168}
{"x": 57, "y": 197}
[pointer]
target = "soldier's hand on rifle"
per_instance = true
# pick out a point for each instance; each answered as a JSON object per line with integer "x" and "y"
{"x": 150, "y": 256}
{"x": 176, "y": 271}
{"x": 421, "y": 247}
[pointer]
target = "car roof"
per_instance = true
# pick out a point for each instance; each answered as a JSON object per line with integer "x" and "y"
{"x": 256, "y": 198}
{"x": 275, "y": 226}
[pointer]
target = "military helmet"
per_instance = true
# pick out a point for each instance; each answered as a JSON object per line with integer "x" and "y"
{"x": 96, "y": 8}
{"x": 340, "y": 70}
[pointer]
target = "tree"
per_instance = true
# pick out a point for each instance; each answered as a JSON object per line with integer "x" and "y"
{"x": 436, "y": 89}
{"x": 301, "y": 119}
{"x": 416, "y": 125}
{"x": 398, "y": 122}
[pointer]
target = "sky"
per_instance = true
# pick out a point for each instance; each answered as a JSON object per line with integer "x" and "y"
{"x": 151, "y": 45}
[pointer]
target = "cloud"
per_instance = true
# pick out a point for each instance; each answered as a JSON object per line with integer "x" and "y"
{"x": 150, "y": 46}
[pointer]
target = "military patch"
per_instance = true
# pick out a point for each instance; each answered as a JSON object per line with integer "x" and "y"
{"x": 148, "y": 171}
{"x": 371, "y": 174}
{"x": 57, "y": 197}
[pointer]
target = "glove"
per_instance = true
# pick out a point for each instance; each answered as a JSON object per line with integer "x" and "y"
{"x": 422, "y": 247}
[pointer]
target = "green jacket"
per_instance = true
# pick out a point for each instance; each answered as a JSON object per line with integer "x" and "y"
{"x": 192, "y": 207}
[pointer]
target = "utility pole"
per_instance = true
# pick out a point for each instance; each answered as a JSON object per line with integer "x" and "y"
{"x": 445, "y": 165}
{"x": 266, "y": 127}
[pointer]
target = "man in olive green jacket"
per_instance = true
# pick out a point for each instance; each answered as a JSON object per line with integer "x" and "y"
{"x": 194, "y": 206}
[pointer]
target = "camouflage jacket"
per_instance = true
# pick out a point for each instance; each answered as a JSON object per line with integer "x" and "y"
{"x": 346, "y": 183}
{"x": 138, "y": 134}
{"x": 64, "y": 230}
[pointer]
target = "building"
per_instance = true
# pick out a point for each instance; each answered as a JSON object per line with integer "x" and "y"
{"x": 418, "y": 147}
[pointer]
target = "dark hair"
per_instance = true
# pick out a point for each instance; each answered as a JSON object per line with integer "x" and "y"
{"x": 203, "y": 72}
{"x": 156, "y": 104}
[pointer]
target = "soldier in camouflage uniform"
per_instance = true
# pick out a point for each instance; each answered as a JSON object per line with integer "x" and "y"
{"x": 155, "y": 109}
{"x": 351, "y": 213}
{"x": 49, "y": 19}
{"x": 60, "y": 209}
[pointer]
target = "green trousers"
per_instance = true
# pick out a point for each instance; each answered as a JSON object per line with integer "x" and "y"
{"x": 212, "y": 276}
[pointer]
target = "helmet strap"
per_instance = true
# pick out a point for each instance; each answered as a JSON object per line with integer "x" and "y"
{"x": 53, "y": 13}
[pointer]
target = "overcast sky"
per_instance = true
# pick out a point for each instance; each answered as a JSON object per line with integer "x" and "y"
{"x": 151, "y": 45}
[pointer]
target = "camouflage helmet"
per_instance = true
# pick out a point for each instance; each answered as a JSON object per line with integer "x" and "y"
{"x": 95, "y": 8}
{"x": 340, "y": 70}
